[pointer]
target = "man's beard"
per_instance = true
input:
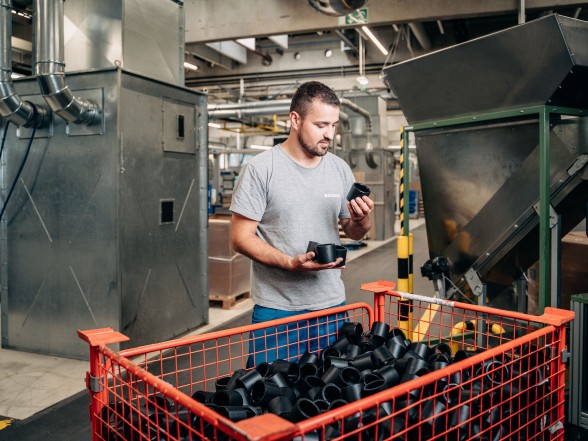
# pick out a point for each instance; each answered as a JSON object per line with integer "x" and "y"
{"x": 312, "y": 150}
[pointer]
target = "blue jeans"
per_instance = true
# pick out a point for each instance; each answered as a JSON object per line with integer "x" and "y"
{"x": 291, "y": 340}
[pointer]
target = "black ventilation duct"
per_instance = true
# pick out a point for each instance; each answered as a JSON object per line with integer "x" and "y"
{"x": 336, "y": 8}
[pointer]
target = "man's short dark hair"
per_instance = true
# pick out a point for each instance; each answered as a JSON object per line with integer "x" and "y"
{"x": 307, "y": 92}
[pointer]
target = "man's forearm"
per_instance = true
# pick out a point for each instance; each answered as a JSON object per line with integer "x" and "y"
{"x": 356, "y": 230}
{"x": 260, "y": 251}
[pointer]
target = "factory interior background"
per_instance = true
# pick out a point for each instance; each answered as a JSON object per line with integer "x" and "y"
{"x": 125, "y": 124}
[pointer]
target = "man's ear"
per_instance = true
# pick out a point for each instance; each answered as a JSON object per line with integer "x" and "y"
{"x": 295, "y": 120}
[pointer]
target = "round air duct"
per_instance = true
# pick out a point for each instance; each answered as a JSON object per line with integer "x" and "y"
{"x": 336, "y": 8}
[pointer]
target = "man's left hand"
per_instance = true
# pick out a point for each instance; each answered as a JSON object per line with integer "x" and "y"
{"x": 360, "y": 208}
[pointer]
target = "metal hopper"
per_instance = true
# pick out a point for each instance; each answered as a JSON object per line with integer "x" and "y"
{"x": 479, "y": 147}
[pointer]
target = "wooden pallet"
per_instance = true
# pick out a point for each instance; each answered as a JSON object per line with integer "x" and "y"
{"x": 230, "y": 300}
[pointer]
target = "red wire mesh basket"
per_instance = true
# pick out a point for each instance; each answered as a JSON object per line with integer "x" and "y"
{"x": 498, "y": 375}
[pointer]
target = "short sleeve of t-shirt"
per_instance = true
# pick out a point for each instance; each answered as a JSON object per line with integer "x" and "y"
{"x": 250, "y": 194}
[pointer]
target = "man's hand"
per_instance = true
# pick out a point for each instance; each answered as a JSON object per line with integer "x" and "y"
{"x": 304, "y": 262}
{"x": 358, "y": 223}
{"x": 360, "y": 208}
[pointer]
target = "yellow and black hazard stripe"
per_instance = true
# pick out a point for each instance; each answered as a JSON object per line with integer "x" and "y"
{"x": 404, "y": 305}
{"x": 410, "y": 260}
{"x": 401, "y": 183}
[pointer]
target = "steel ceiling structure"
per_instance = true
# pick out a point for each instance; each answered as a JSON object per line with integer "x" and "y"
{"x": 288, "y": 38}
{"x": 406, "y": 29}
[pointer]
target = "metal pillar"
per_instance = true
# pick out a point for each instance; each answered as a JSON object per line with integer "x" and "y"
{"x": 544, "y": 212}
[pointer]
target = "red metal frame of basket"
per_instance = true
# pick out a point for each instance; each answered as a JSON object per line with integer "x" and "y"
{"x": 128, "y": 386}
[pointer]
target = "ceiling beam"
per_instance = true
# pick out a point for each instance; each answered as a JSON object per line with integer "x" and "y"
{"x": 231, "y": 49}
{"x": 209, "y": 55}
{"x": 217, "y": 20}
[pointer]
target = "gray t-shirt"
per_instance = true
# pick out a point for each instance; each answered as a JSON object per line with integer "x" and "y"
{"x": 294, "y": 205}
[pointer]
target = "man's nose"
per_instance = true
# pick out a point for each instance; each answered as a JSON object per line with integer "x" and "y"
{"x": 328, "y": 133}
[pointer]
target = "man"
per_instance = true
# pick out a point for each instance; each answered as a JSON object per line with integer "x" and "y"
{"x": 285, "y": 197}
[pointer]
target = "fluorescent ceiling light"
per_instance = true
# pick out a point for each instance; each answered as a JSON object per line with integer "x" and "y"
{"x": 190, "y": 66}
{"x": 260, "y": 147}
{"x": 215, "y": 125}
{"x": 16, "y": 75}
{"x": 374, "y": 40}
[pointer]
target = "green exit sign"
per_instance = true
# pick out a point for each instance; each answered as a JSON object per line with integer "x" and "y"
{"x": 355, "y": 18}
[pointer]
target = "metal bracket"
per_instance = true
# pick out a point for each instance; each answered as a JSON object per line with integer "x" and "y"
{"x": 551, "y": 351}
{"x": 555, "y": 427}
{"x": 474, "y": 282}
{"x": 565, "y": 356}
{"x": 94, "y": 384}
{"x": 578, "y": 164}
{"x": 552, "y": 214}
{"x": 439, "y": 285}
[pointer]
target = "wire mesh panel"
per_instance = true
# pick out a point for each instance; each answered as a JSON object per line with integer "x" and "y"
{"x": 468, "y": 373}
{"x": 159, "y": 392}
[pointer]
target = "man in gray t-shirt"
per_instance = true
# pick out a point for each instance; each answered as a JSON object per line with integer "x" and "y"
{"x": 292, "y": 194}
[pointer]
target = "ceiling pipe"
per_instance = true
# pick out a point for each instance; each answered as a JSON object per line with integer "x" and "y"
{"x": 336, "y": 8}
{"x": 363, "y": 112}
{"x": 248, "y": 105}
{"x": 418, "y": 30}
{"x": 346, "y": 138}
{"x": 244, "y": 151}
{"x": 12, "y": 107}
{"x": 522, "y": 17}
{"x": 50, "y": 66}
{"x": 260, "y": 111}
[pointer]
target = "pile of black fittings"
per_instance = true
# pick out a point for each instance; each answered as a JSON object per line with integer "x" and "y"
{"x": 479, "y": 402}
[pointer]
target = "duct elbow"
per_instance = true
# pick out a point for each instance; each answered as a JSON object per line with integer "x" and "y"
{"x": 50, "y": 67}
{"x": 21, "y": 113}
{"x": 363, "y": 112}
{"x": 12, "y": 108}
{"x": 61, "y": 101}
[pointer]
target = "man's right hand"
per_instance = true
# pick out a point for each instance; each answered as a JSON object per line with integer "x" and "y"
{"x": 304, "y": 262}
{"x": 245, "y": 241}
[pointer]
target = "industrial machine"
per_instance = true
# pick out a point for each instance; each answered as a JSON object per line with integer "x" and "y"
{"x": 502, "y": 146}
{"x": 502, "y": 142}
{"x": 106, "y": 226}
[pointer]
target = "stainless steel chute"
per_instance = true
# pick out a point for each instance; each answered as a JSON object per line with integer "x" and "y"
{"x": 541, "y": 62}
{"x": 480, "y": 180}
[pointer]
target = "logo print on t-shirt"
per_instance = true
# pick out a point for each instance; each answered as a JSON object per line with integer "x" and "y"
{"x": 332, "y": 195}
